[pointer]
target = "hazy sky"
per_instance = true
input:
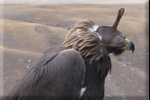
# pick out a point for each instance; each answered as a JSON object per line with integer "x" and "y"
{"x": 75, "y": 1}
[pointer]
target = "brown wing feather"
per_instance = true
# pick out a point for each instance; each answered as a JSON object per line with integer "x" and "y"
{"x": 59, "y": 78}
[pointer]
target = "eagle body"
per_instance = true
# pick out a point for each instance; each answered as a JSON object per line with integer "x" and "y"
{"x": 75, "y": 70}
{"x": 54, "y": 65}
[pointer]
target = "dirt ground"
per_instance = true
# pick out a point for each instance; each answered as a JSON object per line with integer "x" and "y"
{"x": 29, "y": 30}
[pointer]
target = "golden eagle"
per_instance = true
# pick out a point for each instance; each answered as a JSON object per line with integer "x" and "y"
{"x": 77, "y": 69}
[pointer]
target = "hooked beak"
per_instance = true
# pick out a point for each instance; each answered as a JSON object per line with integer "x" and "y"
{"x": 129, "y": 45}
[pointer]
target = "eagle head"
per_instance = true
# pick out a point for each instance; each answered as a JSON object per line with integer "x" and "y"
{"x": 113, "y": 39}
{"x": 93, "y": 41}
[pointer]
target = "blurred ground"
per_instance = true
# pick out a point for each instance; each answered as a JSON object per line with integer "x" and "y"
{"x": 29, "y": 30}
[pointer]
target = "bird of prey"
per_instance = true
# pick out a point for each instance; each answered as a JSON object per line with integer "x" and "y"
{"x": 75, "y": 70}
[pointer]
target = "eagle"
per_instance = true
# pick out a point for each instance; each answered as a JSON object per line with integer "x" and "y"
{"x": 76, "y": 69}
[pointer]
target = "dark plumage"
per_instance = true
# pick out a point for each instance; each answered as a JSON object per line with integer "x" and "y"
{"x": 81, "y": 62}
{"x": 52, "y": 78}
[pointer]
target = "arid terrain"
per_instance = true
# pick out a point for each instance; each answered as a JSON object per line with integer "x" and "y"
{"x": 29, "y": 30}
